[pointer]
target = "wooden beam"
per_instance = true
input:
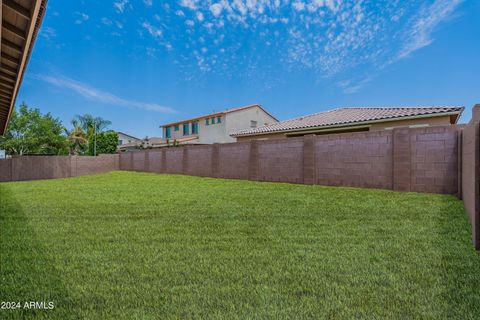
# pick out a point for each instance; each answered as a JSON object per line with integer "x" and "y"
{"x": 21, "y": 10}
{"x": 14, "y": 30}
{"x": 10, "y": 58}
{"x": 6, "y": 67}
{"x": 12, "y": 45}
{"x": 7, "y": 76}
{"x": 5, "y": 83}
{"x": 5, "y": 96}
{"x": 4, "y": 88}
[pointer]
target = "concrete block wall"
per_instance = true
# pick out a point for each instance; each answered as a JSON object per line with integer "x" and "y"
{"x": 53, "y": 167}
{"x": 434, "y": 165}
{"x": 420, "y": 159}
{"x": 470, "y": 177}
{"x": 280, "y": 160}
{"x": 361, "y": 159}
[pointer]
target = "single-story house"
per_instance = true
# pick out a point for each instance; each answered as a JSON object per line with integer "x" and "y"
{"x": 217, "y": 126}
{"x": 354, "y": 120}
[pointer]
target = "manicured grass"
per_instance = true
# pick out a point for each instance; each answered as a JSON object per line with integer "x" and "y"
{"x": 130, "y": 245}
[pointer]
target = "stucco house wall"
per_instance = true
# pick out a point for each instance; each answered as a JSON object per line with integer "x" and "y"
{"x": 380, "y": 126}
{"x": 220, "y": 132}
{"x": 125, "y": 139}
{"x": 242, "y": 120}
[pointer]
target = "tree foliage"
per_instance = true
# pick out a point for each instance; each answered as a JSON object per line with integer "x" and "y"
{"x": 106, "y": 143}
{"x": 77, "y": 141}
{"x": 89, "y": 124}
{"x": 31, "y": 132}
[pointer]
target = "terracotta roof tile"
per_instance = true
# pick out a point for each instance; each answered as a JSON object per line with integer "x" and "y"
{"x": 343, "y": 116}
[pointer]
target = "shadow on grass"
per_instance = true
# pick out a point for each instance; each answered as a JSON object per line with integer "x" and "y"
{"x": 460, "y": 263}
{"x": 27, "y": 270}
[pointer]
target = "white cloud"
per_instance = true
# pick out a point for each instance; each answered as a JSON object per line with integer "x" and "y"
{"x": 82, "y": 17}
{"x": 106, "y": 21}
{"x": 154, "y": 31}
{"x": 148, "y": 3}
{"x": 216, "y": 9}
{"x": 100, "y": 96}
{"x": 48, "y": 33}
{"x": 120, "y": 5}
{"x": 423, "y": 25}
{"x": 191, "y": 4}
{"x": 329, "y": 38}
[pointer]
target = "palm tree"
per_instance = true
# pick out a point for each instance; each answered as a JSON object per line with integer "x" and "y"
{"x": 90, "y": 124}
{"x": 77, "y": 139}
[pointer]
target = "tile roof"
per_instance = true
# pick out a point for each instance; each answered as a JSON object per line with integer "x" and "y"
{"x": 214, "y": 114}
{"x": 345, "y": 116}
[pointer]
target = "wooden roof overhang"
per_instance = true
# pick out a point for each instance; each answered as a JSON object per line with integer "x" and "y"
{"x": 20, "y": 22}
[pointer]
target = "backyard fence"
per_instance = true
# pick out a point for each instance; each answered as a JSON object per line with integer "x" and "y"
{"x": 421, "y": 159}
{"x": 470, "y": 178}
{"x": 443, "y": 159}
{"x": 52, "y": 167}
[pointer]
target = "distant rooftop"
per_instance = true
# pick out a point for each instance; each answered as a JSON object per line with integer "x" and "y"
{"x": 214, "y": 114}
{"x": 345, "y": 116}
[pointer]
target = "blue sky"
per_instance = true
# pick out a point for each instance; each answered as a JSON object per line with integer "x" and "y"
{"x": 141, "y": 63}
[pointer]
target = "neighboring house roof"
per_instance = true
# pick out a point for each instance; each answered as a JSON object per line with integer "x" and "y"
{"x": 20, "y": 22}
{"x": 215, "y": 114}
{"x": 162, "y": 141}
{"x": 129, "y": 145}
{"x": 156, "y": 140}
{"x": 128, "y": 135}
{"x": 348, "y": 116}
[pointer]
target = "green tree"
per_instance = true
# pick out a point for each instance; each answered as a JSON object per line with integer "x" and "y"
{"x": 106, "y": 143}
{"x": 30, "y": 132}
{"x": 77, "y": 141}
{"x": 89, "y": 123}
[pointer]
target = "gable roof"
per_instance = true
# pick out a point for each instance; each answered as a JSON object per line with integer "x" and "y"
{"x": 128, "y": 135}
{"x": 345, "y": 116}
{"x": 220, "y": 113}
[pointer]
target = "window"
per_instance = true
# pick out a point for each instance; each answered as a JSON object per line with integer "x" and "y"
{"x": 194, "y": 127}
{"x": 253, "y": 124}
{"x": 168, "y": 133}
{"x": 219, "y": 119}
{"x": 207, "y": 121}
{"x": 120, "y": 142}
{"x": 212, "y": 120}
{"x": 177, "y": 127}
{"x": 186, "y": 129}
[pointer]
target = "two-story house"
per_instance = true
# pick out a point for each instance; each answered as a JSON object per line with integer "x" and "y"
{"x": 127, "y": 142}
{"x": 217, "y": 127}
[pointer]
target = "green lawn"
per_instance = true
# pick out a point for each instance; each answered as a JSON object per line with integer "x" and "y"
{"x": 127, "y": 245}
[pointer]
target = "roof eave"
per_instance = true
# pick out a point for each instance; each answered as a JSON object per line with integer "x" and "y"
{"x": 458, "y": 113}
{"x": 37, "y": 10}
